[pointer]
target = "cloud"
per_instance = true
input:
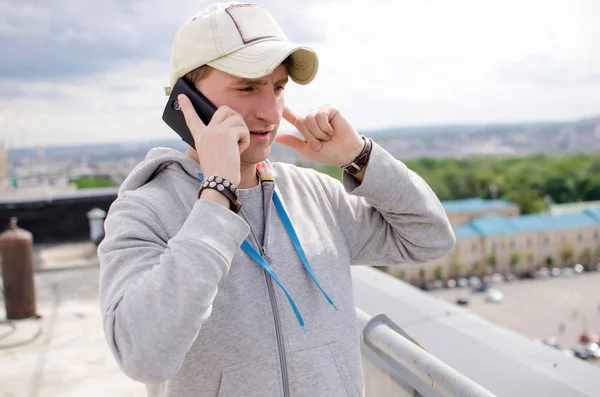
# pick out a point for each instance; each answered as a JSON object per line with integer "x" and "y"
{"x": 74, "y": 72}
{"x": 64, "y": 40}
{"x": 296, "y": 19}
{"x": 68, "y": 39}
{"x": 550, "y": 73}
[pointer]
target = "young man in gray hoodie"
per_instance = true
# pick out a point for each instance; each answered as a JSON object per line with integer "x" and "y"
{"x": 225, "y": 275}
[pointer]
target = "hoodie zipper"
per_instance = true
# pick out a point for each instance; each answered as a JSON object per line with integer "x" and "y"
{"x": 278, "y": 333}
{"x": 280, "y": 346}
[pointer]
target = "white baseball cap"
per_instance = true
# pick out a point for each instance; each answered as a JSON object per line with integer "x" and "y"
{"x": 243, "y": 40}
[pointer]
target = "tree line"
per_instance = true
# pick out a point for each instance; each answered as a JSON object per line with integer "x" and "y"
{"x": 528, "y": 181}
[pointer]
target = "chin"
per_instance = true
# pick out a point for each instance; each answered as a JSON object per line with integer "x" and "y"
{"x": 255, "y": 155}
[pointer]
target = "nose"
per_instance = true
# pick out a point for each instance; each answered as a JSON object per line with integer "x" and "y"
{"x": 269, "y": 107}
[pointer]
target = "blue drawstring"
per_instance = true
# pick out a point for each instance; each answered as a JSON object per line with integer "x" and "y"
{"x": 294, "y": 237}
{"x": 246, "y": 246}
{"x": 289, "y": 227}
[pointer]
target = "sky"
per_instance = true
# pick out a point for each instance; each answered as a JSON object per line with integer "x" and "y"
{"x": 74, "y": 72}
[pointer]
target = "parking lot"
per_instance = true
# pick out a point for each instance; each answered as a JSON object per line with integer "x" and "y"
{"x": 561, "y": 307}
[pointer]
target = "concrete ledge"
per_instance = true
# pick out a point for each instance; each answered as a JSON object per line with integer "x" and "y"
{"x": 500, "y": 360}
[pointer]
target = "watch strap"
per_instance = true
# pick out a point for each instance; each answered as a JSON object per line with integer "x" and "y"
{"x": 361, "y": 160}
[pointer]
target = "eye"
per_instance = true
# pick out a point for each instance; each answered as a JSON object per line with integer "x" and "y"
{"x": 279, "y": 88}
{"x": 246, "y": 89}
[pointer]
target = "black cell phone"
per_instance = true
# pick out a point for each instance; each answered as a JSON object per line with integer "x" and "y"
{"x": 173, "y": 115}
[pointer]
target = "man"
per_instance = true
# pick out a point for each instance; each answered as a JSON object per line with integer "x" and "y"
{"x": 202, "y": 298}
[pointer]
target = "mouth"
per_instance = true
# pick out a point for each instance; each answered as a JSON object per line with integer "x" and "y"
{"x": 259, "y": 132}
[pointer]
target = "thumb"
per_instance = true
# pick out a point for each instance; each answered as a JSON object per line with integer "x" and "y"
{"x": 291, "y": 141}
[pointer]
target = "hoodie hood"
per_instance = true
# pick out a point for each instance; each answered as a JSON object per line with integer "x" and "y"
{"x": 156, "y": 161}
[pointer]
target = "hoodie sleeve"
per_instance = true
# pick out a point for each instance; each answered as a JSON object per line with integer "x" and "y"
{"x": 392, "y": 217}
{"x": 157, "y": 292}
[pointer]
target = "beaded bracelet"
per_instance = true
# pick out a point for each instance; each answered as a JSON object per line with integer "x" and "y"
{"x": 224, "y": 187}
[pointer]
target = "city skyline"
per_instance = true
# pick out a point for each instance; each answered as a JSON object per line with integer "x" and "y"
{"x": 71, "y": 78}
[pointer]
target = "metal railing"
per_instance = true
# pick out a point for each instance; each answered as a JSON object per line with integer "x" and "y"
{"x": 411, "y": 363}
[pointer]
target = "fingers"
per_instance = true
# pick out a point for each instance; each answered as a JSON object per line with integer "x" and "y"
{"x": 290, "y": 116}
{"x": 225, "y": 112}
{"x": 310, "y": 121}
{"x": 291, "y": 141}
{"x": 189, "y": 113}
{"x": 236, "y": 126}
{"x": 230, "y": 119}
{"x": 243, "y": 137}
{"x": 322, "y": 119}
{"x": 316, "y": 127}
{"x": 300, "y": 124}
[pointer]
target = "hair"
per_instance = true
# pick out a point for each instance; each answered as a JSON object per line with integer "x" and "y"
{"x": 199, "y": 73}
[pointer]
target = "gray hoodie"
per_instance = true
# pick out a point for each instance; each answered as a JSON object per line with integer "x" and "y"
{"x": 187, "y": 312}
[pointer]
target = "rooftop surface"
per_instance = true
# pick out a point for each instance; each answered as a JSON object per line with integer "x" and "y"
{"x": 476, "y": 205}
{"x": 574, "y": 207}
{"x": 494, "y": 225}
{"x": 63, "y": 353}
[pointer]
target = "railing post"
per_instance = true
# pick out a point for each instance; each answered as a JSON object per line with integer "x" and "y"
{"x": 420, "y": 369}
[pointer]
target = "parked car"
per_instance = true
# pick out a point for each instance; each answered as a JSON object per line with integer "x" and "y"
{"x": 581, "y": 352}
{"x": 555, "y": 272}
{"x": 588, "y": 337}
{"x": 508, "y": 277}
{"x": 551, "y": 341}
{"x": 529, "y": 275}
{"x": 567, "y": 271}
{"x": 498, "y": 278}
{"x": 432, "y": 285}
{"x": 568, "y": 352}
{"x": 438, "y": 284}
{"x": 481, "y": 287}
{"x": 463, "y": 282}
{"x": 494, "y": 296}
{"x": 593, "y": 349}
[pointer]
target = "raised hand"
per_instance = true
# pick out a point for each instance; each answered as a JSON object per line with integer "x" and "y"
{"x": 220, "y": 143}
{"x": 329, "y": 136}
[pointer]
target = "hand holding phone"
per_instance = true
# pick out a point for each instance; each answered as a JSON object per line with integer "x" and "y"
{"x": 219, "y": 136}
{"x": 173, "y": 115}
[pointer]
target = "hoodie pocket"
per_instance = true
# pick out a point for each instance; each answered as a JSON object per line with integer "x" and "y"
{"x": 258, "y": 378}
{"x": 321, "y": 371}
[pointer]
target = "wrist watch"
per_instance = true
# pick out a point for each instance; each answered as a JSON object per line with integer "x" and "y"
{"x": 361, "y": 160}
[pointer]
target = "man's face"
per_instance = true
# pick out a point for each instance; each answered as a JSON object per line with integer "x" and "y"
{"x": 259, "y": 101}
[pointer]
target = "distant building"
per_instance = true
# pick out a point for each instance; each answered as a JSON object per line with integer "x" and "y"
{"x": 568, "y": 208}
{"x": 462, "y": 211}
{"x": 518, "y": 244}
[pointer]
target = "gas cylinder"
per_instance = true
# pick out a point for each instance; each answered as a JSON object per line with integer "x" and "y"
{"x": 16, "y": 255}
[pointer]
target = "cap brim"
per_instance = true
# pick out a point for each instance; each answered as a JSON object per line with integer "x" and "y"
{"x": 262, "y": 58}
